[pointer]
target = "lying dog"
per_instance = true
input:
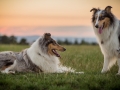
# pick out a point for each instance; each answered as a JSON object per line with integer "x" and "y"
{"x": 107, "y": 29}
{"x": 42, "y": 56}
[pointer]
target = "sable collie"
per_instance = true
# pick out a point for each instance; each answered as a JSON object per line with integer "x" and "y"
{"x": 107, "y": 29}
{"x": 42, "y": 56}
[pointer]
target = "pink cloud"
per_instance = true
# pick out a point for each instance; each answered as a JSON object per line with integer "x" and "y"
{"x": 65, "y": 31}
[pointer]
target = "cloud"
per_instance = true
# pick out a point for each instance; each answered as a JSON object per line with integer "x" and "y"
{"x": 69, "y": 31}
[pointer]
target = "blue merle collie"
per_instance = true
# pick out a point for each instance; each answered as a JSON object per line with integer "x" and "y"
{"x": 42, "y": 56}
{"x": 107, "y": 30}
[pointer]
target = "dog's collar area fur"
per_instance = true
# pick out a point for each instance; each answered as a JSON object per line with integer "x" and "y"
{"x": 27, "y": 59}
{"x": 103, "y": 41}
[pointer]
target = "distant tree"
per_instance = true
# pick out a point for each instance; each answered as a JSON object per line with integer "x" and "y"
{"x": 94, "y": 43}
{"x": 83, "y": 42}
{"x": 13, "y": 39}
{"x": 0, "y": 39}
{"x": 76, "y": 42}
{"x": 67, "y": 42}
{"x": 4, "y": 39}
{"x": 60, "y": 42}
{"x": 23, "y": 41}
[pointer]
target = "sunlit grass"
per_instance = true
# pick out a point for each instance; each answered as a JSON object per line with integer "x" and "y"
{"x": 11, "y": 47}
{"x": 82, "y": 58}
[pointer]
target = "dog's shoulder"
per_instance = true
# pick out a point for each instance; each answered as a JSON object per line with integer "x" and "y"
{"x": 23, "y": 57}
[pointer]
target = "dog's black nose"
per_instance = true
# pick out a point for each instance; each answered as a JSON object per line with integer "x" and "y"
{"x": 64, "y": 49}
{"x": 96, "y": 26}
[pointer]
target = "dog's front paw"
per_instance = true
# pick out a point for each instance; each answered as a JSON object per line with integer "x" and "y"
{"x": 118, "y": 74}
{"x": 79, "y": 72}
{"x": 12, "y": 72}
{"x": 104, "y": 71}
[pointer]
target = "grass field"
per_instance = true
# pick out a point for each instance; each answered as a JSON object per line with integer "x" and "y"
{"x": 82, "y": 58}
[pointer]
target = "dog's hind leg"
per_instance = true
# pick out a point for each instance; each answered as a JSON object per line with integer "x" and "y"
{"x": 106, "y": 64}
{"x": 9, "y": 69}
{"x": 118, "y": 62}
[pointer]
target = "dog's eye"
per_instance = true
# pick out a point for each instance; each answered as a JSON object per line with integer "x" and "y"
{"x": 101, "y": 18}
{"x": 54, "y": 43}
{"x": 48, "y": 42}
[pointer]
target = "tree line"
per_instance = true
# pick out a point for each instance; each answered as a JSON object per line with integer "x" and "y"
{"x": 13, "y": 40}
{"x": 83, "y": 42}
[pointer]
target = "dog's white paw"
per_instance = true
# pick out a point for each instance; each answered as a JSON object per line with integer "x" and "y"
{"x": 7, "y": 72}
{"x": 104, "y": 71}
{"x": 79, "y": 72}
{"x": 12, "y": 72}
{"x": 118, "y": 73}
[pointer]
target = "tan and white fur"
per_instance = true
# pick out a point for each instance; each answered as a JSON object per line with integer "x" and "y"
{"x": 42, "y": 56}
{"x": 107, "y": 30}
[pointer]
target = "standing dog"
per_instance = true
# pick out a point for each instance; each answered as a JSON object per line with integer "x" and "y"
{"x": 107, "y": 29}
{"x": 42, "y": 56}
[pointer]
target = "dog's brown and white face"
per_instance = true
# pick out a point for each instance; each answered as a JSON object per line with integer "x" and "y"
{"x": 50, "y": 46}
{"x": 102, "y": 19}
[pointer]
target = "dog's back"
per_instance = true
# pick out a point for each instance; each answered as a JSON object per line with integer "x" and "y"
{"x": 19, "y": 62}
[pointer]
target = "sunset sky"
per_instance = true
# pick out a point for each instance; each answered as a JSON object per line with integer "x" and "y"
{"x": 59, "y": 17}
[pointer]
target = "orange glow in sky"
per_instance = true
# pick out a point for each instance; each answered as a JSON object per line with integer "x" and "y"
{"x": 44, "y": 13}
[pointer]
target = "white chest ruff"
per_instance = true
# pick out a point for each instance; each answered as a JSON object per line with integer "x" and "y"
{"x": 108, "y": 41}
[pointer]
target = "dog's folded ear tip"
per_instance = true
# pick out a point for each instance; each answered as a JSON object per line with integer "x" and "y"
{"x": 93, "y": 9}
{"x": 109, "y": 7}
{"x": 47, "y": 34}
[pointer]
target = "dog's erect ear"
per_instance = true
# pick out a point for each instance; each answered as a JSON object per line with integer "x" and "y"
{"x": 47, "y": 36}
{"x": 108, "y": 9}
{"x": 94, "y": 10}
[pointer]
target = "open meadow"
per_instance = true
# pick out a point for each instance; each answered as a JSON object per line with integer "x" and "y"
{"x": 80, "y": 57}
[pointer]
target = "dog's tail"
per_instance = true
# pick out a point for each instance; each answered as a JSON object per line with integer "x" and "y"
{"x": 64, "y": 69}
